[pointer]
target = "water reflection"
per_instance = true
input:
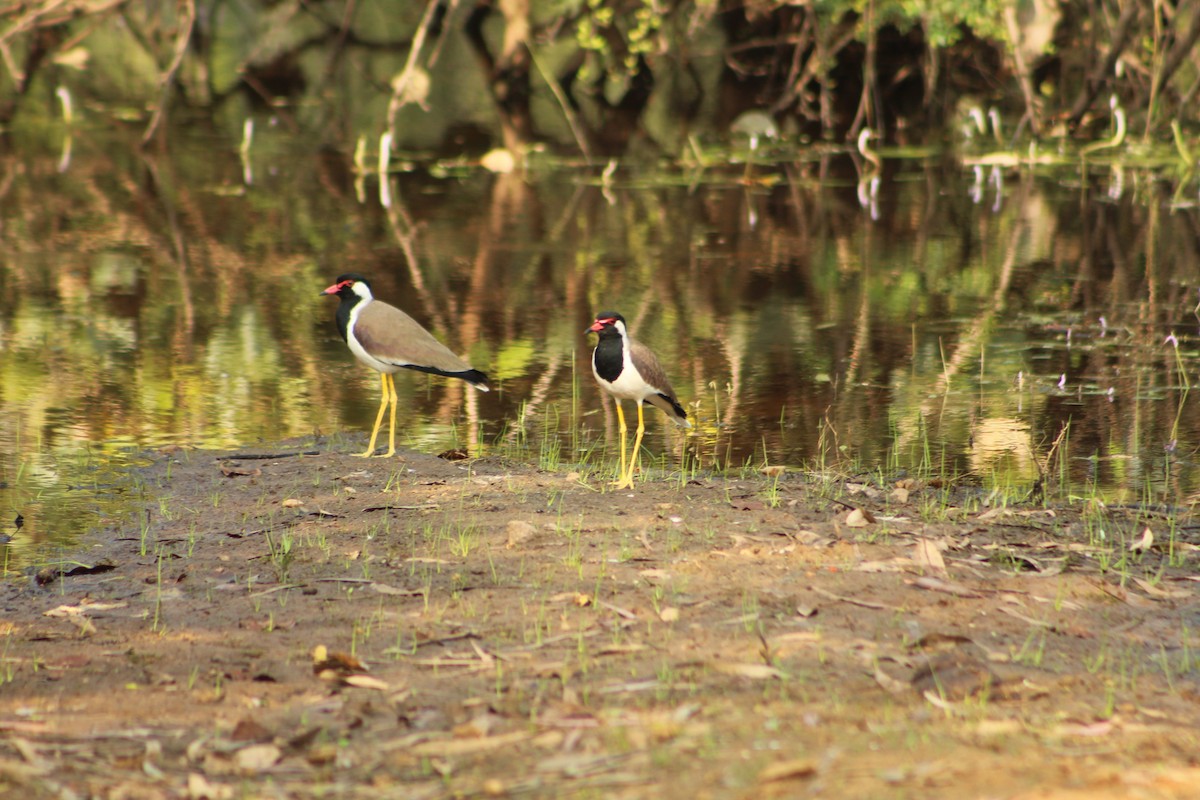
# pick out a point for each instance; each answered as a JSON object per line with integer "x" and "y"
{"x": 992, "y": 324}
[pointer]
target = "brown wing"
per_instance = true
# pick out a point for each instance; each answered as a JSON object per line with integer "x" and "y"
{"x": 390, "y": 335}
{"x": 648, "y": 367}
{"x": 652, "y": 373}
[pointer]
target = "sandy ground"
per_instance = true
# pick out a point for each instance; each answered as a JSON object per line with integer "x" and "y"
{"x": 325, "y": 625}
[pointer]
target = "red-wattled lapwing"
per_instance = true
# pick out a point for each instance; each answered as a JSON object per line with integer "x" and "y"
{"x": 386, "y": 339}
{"x": 628, "y": 370}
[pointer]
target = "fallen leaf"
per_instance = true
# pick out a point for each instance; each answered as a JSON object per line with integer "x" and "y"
{"x": 788, "y": 770}
{"x": 669, "y": 614}
{"x": 81, "y": 609}
{"x": 774, "y": 471}
{"x": 478, "y": 726}
{"x": 859, "y": 518}
{"x": 518, "y": 531}
{"x": 1124, "y": 595}
{"x": 953, "y": 676}
{"x": 898, "y": 564}
{"x": 1160, "y": 593}
{"x": 947, "y": 587}
{"x": 1101, "y": 728}
{"x": 758, "y": 672}
{"x": 248, "y": 730}
{"x": 466, "y": 747}
{"x": 928, "y": 555}
{"x": 365, "y": 682}
{"x": 199, "y": 788}
{"x": 256, "y": 758}
{"x": 383, "y": 588}
{"x": 889, "y": 684}
{"x": 1143, "y": 544}
{"x": 292, "y": 502}
{"x": 621, "y": 649}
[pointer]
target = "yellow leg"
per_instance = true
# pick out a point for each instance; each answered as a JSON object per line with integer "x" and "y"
{"x": 392, "y": 398}
{"x": 621, "y": 483}
{"x": 637, "y": 447}
{"x": 383, "y": 401}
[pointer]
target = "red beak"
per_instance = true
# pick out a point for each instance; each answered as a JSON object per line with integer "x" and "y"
{"x": 335, "y": 288}
{"x": 598, "y": 325}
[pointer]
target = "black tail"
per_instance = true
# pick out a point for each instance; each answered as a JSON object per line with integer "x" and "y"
{"x": 671, "y": 407}
{"x": 471, "y": 376}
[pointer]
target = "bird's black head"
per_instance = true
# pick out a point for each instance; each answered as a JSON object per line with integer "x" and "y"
{"x": 344, "y": 286}
{"x": 608, "y": 324}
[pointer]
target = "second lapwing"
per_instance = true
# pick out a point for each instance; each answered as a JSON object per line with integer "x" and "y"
{"x": 628, "y": 370}
{"x": 387, "y": 340}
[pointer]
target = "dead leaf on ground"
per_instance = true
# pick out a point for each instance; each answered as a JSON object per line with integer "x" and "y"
{"x": 1045, "y": 568}
{"x": 757, "y": 672}
{"x": 518, "y": 531}
{"x": 847, "y": 599}
{"x": 477, "y": 727}
{"x": 1156, "y": 591}
{"x": 1123, "y": 594}
{"x": 946, "y": 587}
{"x": 669, "y": 614}
{"x": 256, "y": 758}
{"x": 929, "y": 556}
{"x": 954, "y": 676}
{"x": 292, "y": 502}
{"x": 774, "y": 470}
{"x": 859, "y": 518}
{"x": 395, "y": 591}
{"x": 1086, "y": 729}
{"x": 898, "y": 564}
{"x": 893, "y": 686}
{"x": 1143, "y": 543}
{"x": 199, "y": 788}
{"x": 248, "y": 730}
{"x": 366, "y": 682}
{"x": 81, "y": 609}
{"x": 788, "y": 770}
{"x": 467, "y": 747}
{"x": 621, "y": 649}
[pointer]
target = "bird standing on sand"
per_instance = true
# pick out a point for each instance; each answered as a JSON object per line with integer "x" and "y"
{"x": 386, "y": 339}
{"x": 628, "y": 370}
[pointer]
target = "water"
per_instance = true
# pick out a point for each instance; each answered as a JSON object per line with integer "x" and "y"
{"x": 996, "y": 330}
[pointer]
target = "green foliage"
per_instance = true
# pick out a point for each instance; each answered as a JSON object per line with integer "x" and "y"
{"x": 943, "y": 21}
{"x": 619, "y": 32}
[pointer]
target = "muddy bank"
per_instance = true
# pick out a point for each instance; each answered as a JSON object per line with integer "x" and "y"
{"x": 327, "y": 625}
